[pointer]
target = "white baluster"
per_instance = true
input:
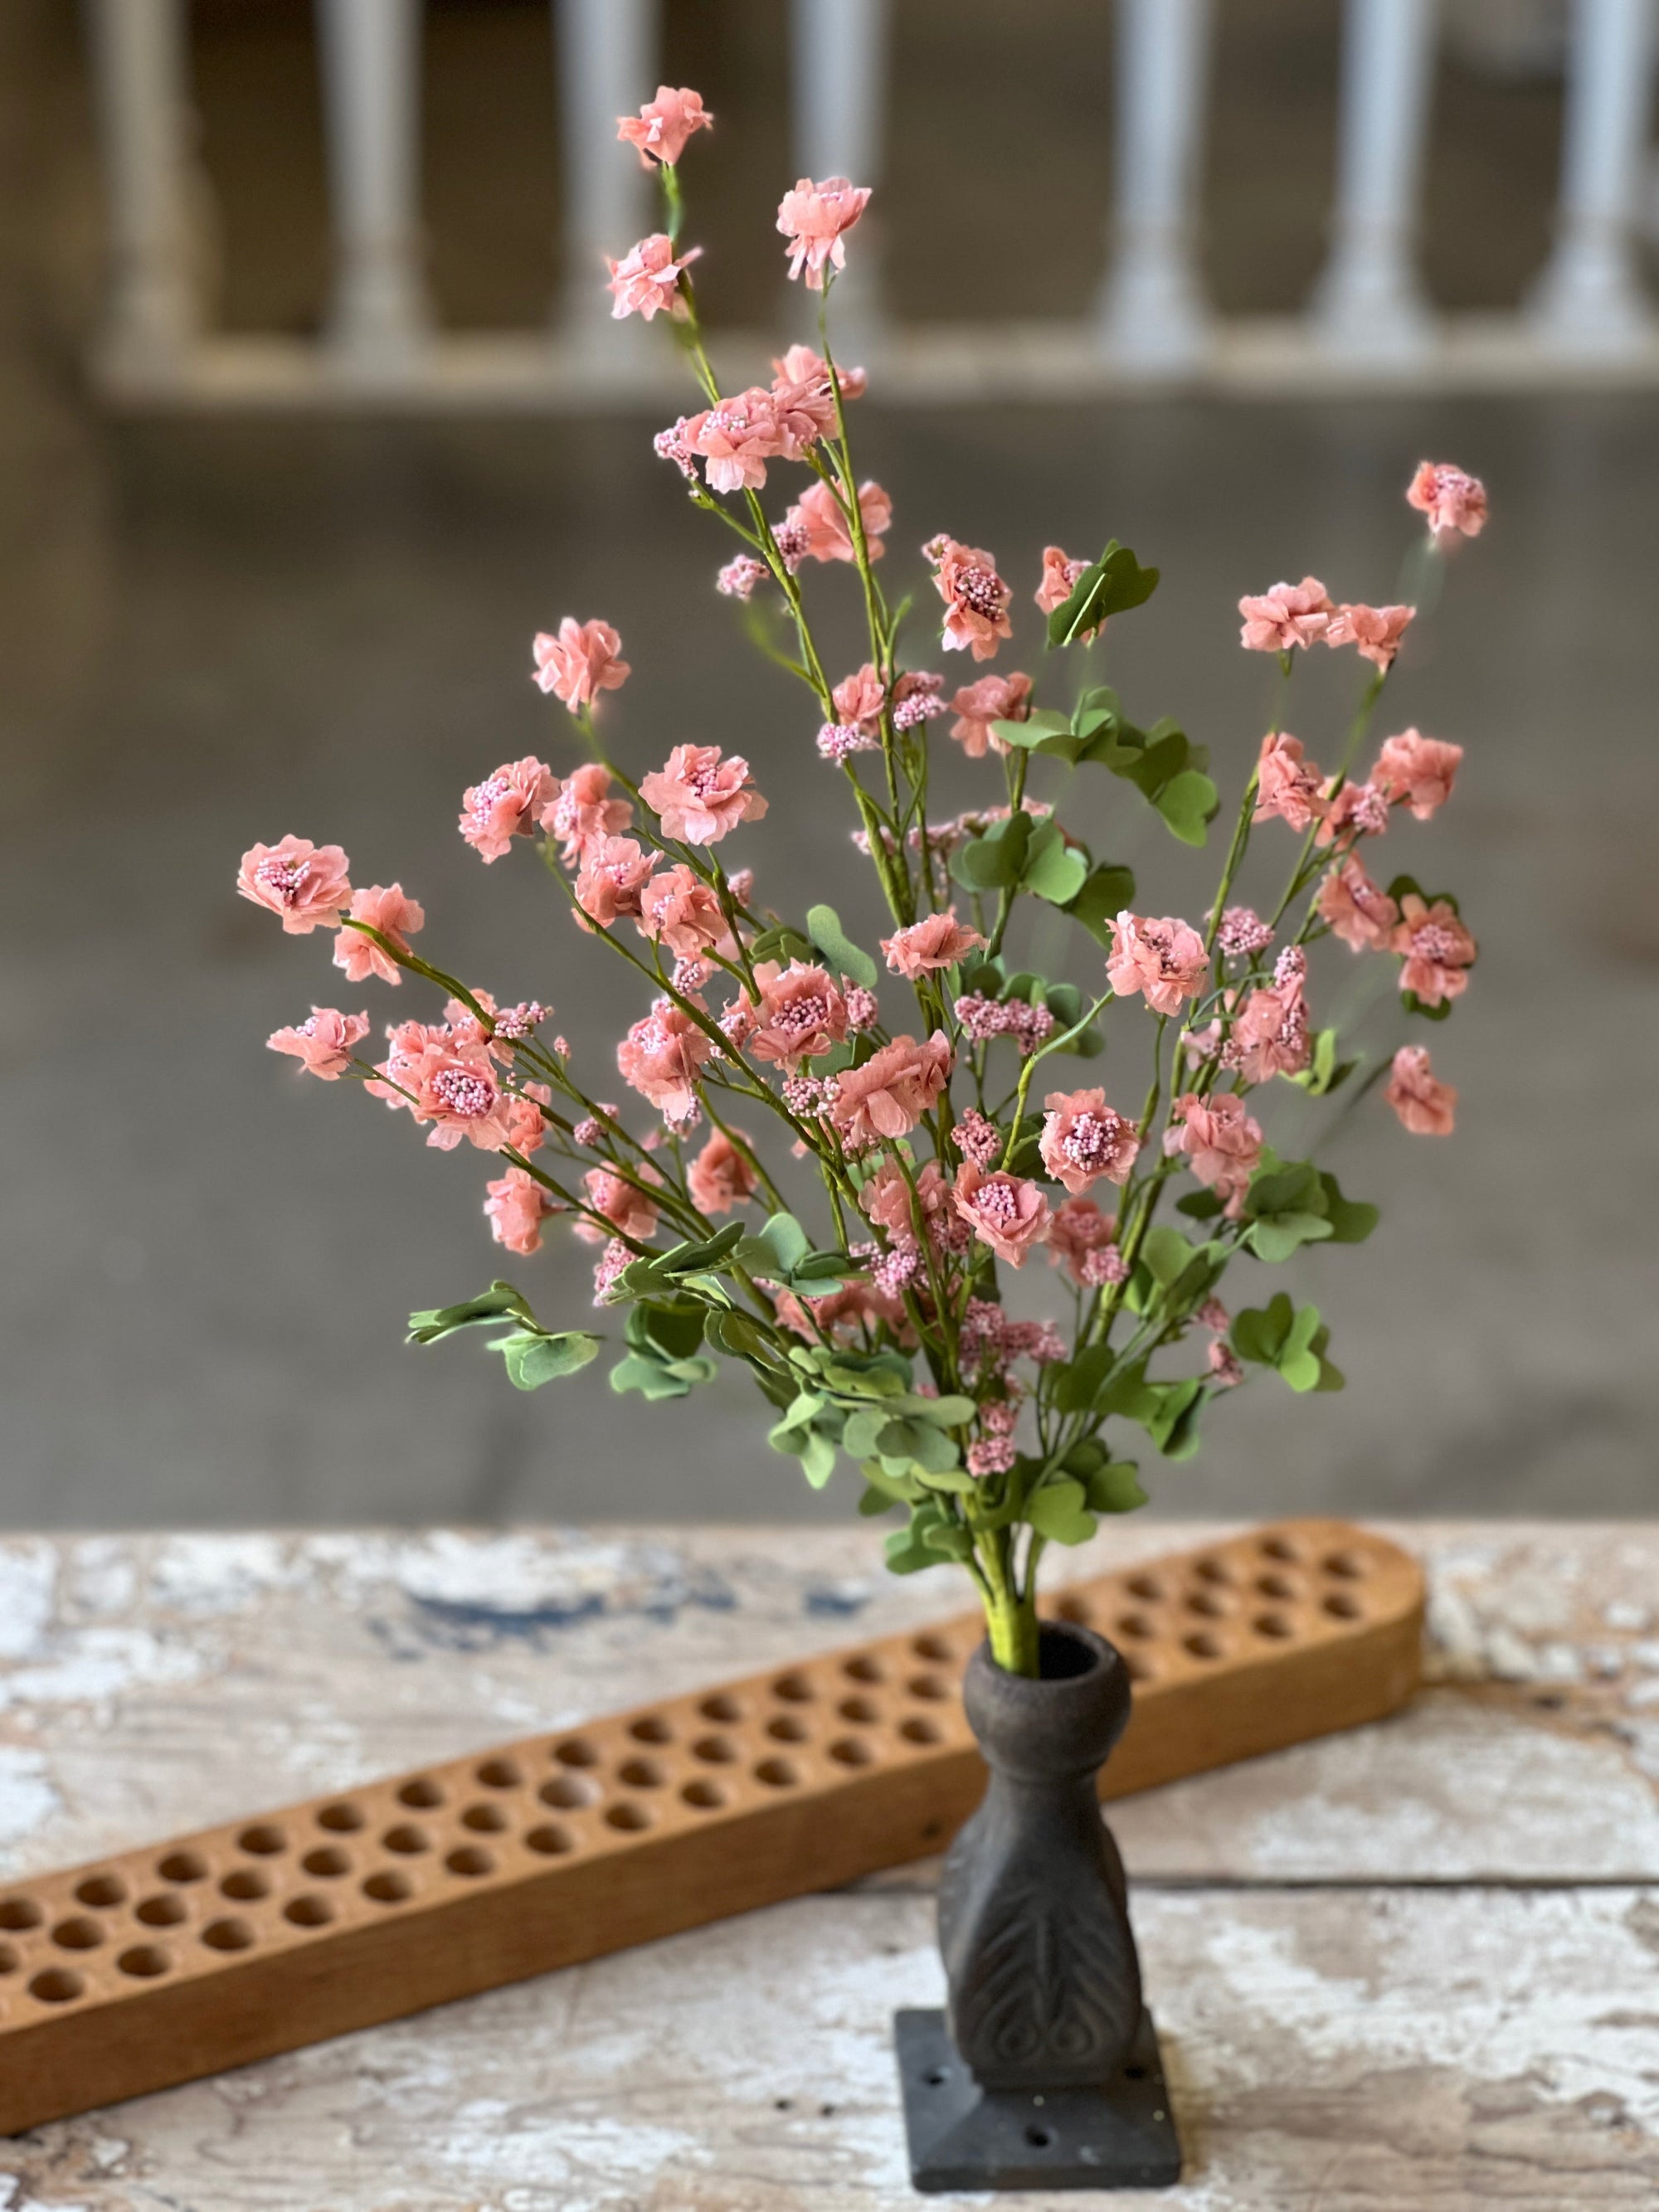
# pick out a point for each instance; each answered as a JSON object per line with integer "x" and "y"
{"x": 1369, "y": 301}
{"x": 371, "y": 61}
{"x": 1153, "y": 315}
{"x": 838, "y": 68}
{"x": 607, "y": 68}
{"x": 1591, "y": 298}
{"x": 152, "y": 312}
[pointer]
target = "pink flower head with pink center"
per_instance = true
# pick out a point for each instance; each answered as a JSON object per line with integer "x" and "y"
{"x": 1079, "y": 1229}
{"x": 1005, "y": 1212}
{"x": 515, "y": 1207}
{"x": 383, "y": 907}
{"x": 584, "y": 659}
{"x": 303, "y": 883}
{"x": 989, "y": 699}
{"x": 799, "y": 365}
{"x": 646, "y": 280}
{"x": 889, "y": 1095}
{"x": 1427, "y": 1106}
{"x": 526, "y": 1125}
{"x": 505, "y": 806}
{"x": 1354, "y": 811}
{"x": 1213, "y": 1315}
{"x": 827, "y": 533}
{"x": 1163, "y": 957}
{"x": 975, "y": 598}
{"x": 800, "y": 1014}
{"x": 1286, "y": 786}
{"x": 629, "y": 1211}
{"x": 886, "y": 1200}
{"x": 1226, "y": 1370}
{"x": 661, "y": 1057}
{"x": 676, "y": 906}
{"x": 1376, "y": 631}
{"x": 939, "y": 941}
{"x": 663, "y": 124}
{"x": 859, "y": 699}
{"x": 736, "y": 438}
{"x": 322, "y": 1042}
{"x": 1437, "y": 950}
{"x": 700, "y": 797}
{"x": 1289, "y": 615}
{"x": 815, "y": 218}
{"x": 737, "y": 579}
{"x": 1222, "y": 1143}
{"x": 976, "y": 1139}
{"x": 1084, "y": 1139}
{"x": 613, "y": 874}
{"x": 991, "y": 1455}
{"x": 1455, "y": 503}
{"x": 721, "y": 1176}
{"x": 1060, "y": 578}
{"x": 1243, "y": 934}
{"x": 455, "y": 1089}
{"x": 581, "y": 812}
{"x": 1359, "y": 911}
{"x": 1417, "y": 770}
{"x": 1271, "y": 1031}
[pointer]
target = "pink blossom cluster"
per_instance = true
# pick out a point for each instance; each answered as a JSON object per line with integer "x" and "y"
{"x": 982, "y": 1019}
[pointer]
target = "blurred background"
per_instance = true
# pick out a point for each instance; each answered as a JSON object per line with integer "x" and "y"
{"x": 310, "y": 417}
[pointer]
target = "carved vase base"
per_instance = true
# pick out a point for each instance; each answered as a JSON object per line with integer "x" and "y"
{"x": 1121, "y": 2136}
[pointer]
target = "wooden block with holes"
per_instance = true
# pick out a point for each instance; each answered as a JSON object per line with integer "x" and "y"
{"x": 162, "y": 1964}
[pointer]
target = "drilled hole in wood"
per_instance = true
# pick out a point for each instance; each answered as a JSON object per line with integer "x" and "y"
{"x": 326, "y": 1862}
{"x": 227, "y": 1935}
{"x": 387, "y": 1889}
{"x": 1280, "y": 1547}
{"x": 500, "y": 1774}
{"x": 1147, "y": 1587}
{"x": 576, "y": 1752}
{"x": 1278, "y": 1586}
{"x": 484, "y": 1820}
{"x": 567, "y": 1792}
{"x": 471, "y": 1859}
{"x": 641, "y": 1774}
{"x": 1135, "y": 1625}
{"x": 786, "y": 1730}
{"x": 1202, "y": 1646}
{"x": 162, "y": 1911}
{"x": 705, "y": 1796}
{"x": 630, "y": 1816}
{"x": 1039, "y": 2138}
{"x": 1076, "y": 1609}
{"x": 1347, "y": 1566}
{"x": 549, "y": 1839}
{"x": 79, "y": 1934}
{"x": 8, "y": 1959}
{"x": 407, "y": 1839}
{"x": 182, "y": 1866}
{"x": 144, "y": 1962}
{"x": 1139, "y": 1670}
{"x": 1213, "y": 1570}
{"x": 264, "y": 1840}
{"x": 720, "y": 1707}
{"x": 937, "y": 1648}
{"x": 309, "y": 1911}
{"x": 1341, "y": 1607}
{"x": 777, "y": 1773}
{"x": 423, "y": 1794}
{"x": 863, "y": 1710}
{"x": 341, "y": 1820}
{"x": 920, "y": 1729}
{"x": 100, "y": 1891}
{"x": 1206, "y": 1606}
{"x": 247, "y": 1885}
{"x": 1273, "y": 1624}
{"x": 57, "y": 1986}
{"x": 864, "y": 1668}
{"x": 651, "y": 1727}
{"x": 929, "y": 1687}
{"x": 715, "y": 1750}
{"x": 851, "y": 1751}
{"x": 19, "y": 1913}
{"x": 793, "y": 1689}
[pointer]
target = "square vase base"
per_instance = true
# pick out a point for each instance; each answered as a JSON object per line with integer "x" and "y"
{"x": 1121, "y": 2136}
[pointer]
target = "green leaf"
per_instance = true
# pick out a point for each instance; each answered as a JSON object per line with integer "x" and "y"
{"x": 1259, "y": 1332}
{"x": 875, "y": 1503}
{"x": 781, "y": 943}
{"x": 996, "y": 860}
{"x": 844, "y": 958}
{"x": 1187, "y": 803}
{"x": 1065, "y": 1002}
{"x": 1199, "y": 1205}
{"x": 787, "y": 1242}
{"x": 1055, "y": 871}
{"x": 1275, "y": 1240}
{"x": 533, "y": 1359}
{"x": 1080, "y": 1378}
{"x": 1413, "y": 1005}
{"x": 1059, "y": 1510}
{"x": 1043, "y": 731}
{"x": 1110, "y": 586}
{"x": 1166, "y": 1252}
{"x": 1130, "y": 1395}
{"x": 1115, "y": 1488}
{"x": 948, "y": 1539}
{"x": 436, "y": 1322}
{"x": 1104, "y": 894}
{"x": 1352, "y": 1219}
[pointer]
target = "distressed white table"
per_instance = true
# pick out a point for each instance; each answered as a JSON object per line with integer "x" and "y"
{"x": 1416, "y": 1966}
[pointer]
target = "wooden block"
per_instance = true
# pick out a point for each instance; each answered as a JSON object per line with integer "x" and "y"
{"x": 158, "y": 1966}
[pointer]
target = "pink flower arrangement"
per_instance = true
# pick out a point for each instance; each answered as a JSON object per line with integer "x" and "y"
{"x": 907, "y": 1098}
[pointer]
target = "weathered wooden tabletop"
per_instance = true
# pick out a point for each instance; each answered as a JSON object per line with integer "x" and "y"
{"x": 1414, "y": 1966}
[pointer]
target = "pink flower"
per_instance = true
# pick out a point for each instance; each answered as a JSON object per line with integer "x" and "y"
{"x": 1005, "y": 1212}
{"x": 663, "y": 124}
{"x": 580, "y": 812}
{"x": 975, "y": 598}
{"x": 1377, "y": 631}
{"x": 627, "y": 1210}
{"x": 584, "y": 659}
{"x": 681, "y": 911}
{"x": 1425, "y": 1106}
{"x": 661, "y": 1057}
{"x": 1166, "y": 958}
{"x": 303, "y": 883}
{"x": 1419, "y": 771}
{"x": 455, "y": 1089}
{"x": 1084, "y": 1139}
{"x": 736, "y": 438}
{"x": 1289, "y": 615}
{"x": 1060, "y": 575}
{"x": 1356, "y": 810}
{"x": 323, "y": 1041}
{"x": 799, "y": 365}
{"x": 1361, "y": 914}
{"x": 1226, "y": 1369}
{"x": 1437, "y": 950}
{"x": 885, "y": 1197}
{"x": 1243, "y": 932}
{"x": 1286, "y": 786}
{"x": 989, "y": 699}
{"x": 737, "y": 579}
{"x": 699, "y": 797}
{"x": 859, "y": 699}
{"x": 397, "y": 918}
{"x": 1271, "y": 1031}
{"x": 827, "y": 534}
{"x": 516, "y": 1205}
{"x": 526, "y": 1125}
{"x": 801, "y": 1014}
{"x": 889, "y": 1095}
{"x": 814, "y": 218}
{"x": 1079, "y": 1234}
{"x": 720, "y": 1177}
{"x": 1222, "y": 1143}
{"x": 976, "y": 1139}
{"x": 844, "y": 1315}
{"x": 939, "y": 941}
{"x": 613, "y": 874}
{"x": 1453, "y": 502}
{"x": 646, "y": 280}
{"x": 506, "y": 805}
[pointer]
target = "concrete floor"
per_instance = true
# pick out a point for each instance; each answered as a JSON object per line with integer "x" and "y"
{"x": 216, "y": 632}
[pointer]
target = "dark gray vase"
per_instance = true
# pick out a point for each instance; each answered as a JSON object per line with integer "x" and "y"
{"x": 1043, "y": 2072}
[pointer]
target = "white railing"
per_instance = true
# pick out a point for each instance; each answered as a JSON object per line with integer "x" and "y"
{"x": 1368, "y": 322}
